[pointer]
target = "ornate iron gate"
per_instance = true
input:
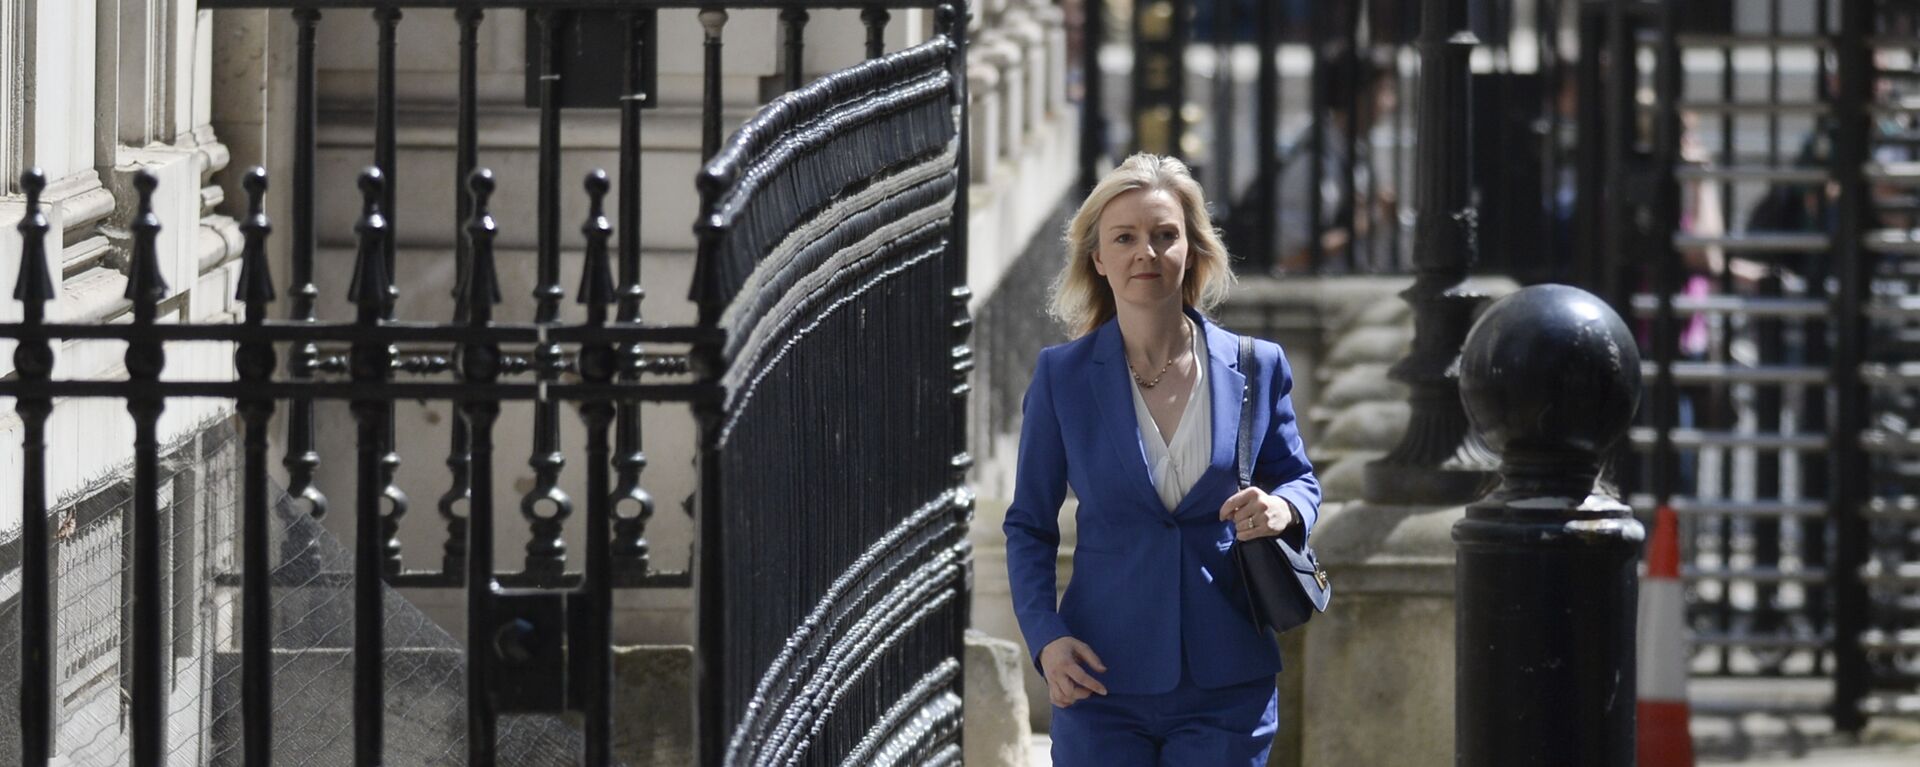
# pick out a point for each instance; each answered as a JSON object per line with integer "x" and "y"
{"x": 1777, "y": 307}
{"x": 827, "y": 371}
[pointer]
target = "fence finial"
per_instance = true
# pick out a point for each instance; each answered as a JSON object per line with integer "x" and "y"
{"x": 256, "y": 276}
{"x": 596, "y": 273}
{"x": 483, "y": 283}
{"x": 946, "y": 18}
{"x": 35, "y": 284}
{"x": 369, "y": 288}
{"x": 145, "y": 284}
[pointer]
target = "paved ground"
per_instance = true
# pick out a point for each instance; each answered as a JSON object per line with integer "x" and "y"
{"x": 1863, "y": 756}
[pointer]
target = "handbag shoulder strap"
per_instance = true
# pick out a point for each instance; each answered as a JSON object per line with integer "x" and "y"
{"x": 1243, "y": 446}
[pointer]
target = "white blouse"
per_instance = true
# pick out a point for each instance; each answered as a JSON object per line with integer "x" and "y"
{"x": 1176, "y": 464}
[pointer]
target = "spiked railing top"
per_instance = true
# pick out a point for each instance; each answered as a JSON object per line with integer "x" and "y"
{"x": 596, "y": 273}
{"x": 256, "y": 276}
{"x": 483, "y": 283}
{"x": 368, "y": 292}
{"x": 34, "y": 287}
{"x": 145, "y": 284}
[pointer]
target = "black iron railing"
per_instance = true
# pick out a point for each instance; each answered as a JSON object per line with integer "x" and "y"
{"x": 1345, "y": 125}
{"x": 831, "y": 293}
{"x": 832, "y": 256}
{"x": 1754, "y": 216}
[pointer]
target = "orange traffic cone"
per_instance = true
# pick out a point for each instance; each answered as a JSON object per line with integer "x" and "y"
{"x": 1662, "y": 650}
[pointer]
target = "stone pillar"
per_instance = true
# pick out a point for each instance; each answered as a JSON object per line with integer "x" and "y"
{"x": 1378, "y": 666}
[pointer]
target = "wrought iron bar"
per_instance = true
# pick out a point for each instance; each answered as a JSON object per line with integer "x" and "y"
{"x": 545, "y": 506}
{"x": 385, "y": 158}
{"x": 710, "y": 666}
{"x": 33, "y": 361}
{"x": 1846, "y": 492}
{"x": 1438, "y": 461}
{"x": 1317, "y": 101}
{"x": 597, "y": 365}
{"x": 876, "y": 19}
{"x": 1356, "y": 66}
{"x": 1220, "y": 160}
{"x": 1093, "y": 122}
{"x": 371, "y": 363}
{"x": 952, "y": 20}
{"x": 144, "y": 361}
{"x": 630, "y": 529}
{"x": 302, "y": 458}
{"x": 255, "y": 363}
{"x": 480, "y": 364}
{"x": 713, "y": 22}
{"x": 1266, "y": 20}
{"x": 1668, "y": 87}
{"x": 466, "y": 157}
{"x": 794, "y": 22}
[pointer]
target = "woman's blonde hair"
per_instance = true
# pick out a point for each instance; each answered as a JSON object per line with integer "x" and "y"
{"x": 1083, "y": 300}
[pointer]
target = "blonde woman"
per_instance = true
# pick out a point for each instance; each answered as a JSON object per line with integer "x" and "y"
{"x": 1150, "y": 656}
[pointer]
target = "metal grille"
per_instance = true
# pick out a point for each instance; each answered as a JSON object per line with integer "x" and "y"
{"x": 839, "y": 483}
{"x": 1769, "y": 181}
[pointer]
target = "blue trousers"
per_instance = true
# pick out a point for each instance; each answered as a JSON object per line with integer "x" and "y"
{"x": 1187, "y": 727}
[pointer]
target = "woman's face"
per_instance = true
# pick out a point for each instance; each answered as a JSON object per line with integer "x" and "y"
{"x": 1142, "y": 248}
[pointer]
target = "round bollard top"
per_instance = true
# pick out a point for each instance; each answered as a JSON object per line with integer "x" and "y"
{"x": 1550, "y": 371}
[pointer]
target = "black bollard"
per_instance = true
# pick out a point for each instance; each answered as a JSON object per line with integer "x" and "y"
{"x": 1550, "y": 376}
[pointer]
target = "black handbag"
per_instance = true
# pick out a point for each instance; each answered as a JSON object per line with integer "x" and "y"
{"x": 1284, "y": 580}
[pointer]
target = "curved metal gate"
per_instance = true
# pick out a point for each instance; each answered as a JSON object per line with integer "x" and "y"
{"x": 834, "y": 568}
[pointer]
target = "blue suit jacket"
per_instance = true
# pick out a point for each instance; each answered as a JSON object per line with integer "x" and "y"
{"x": 1148, "y": 586}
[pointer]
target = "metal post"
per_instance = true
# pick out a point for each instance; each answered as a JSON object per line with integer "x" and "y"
{"x": 794, "y": 22}
{"x": 1846, "y": 490}
{"x": 1093, "y": 121}
{"x": 713, "y": 21}
{"x": 370, "y": 362}
{"x": 33, "y": 363}
{"x": 480, "y": 364}
{"x": 1266, "y": 132}
{"x": 254, "y": 362}
{"x": 1546, "y": 582}
{"x": 1436, "y": 462}
{"x": 952, "y": 17}
{"x": 145, "y": 361}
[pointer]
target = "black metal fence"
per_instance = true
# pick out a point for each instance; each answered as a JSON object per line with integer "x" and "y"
{"x": 1299, "y": 117}
{"x": 827, "y": 371}
{"x": 1756, "y": 214}
{"x": 832, "y": 259}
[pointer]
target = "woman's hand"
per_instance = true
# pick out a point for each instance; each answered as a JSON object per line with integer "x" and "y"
{"x": 1256, "y": 514}
{"x": 1067, "y": 680}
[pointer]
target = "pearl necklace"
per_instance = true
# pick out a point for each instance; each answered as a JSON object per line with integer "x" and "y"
{"x": 1145, "y": 384}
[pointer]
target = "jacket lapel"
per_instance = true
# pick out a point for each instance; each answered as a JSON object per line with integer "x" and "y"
{"x": 1117, "y": 422}
{"x": 1226, "y": 386}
